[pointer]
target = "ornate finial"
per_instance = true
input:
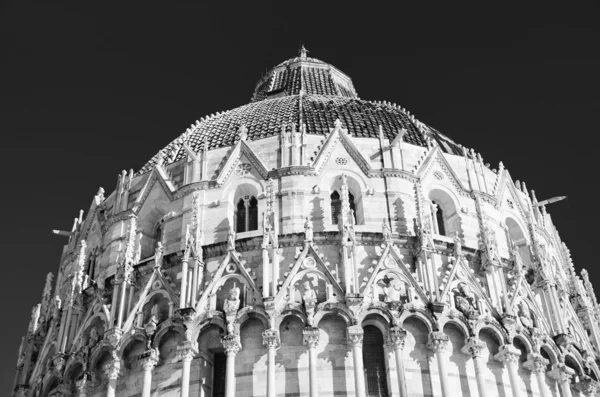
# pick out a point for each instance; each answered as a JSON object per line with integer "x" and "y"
{"x": 303, "y": 52}
{"x": 337, "y": 123}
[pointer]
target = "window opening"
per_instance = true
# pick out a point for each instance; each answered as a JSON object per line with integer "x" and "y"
{"x": 374, "y": 362}
{"x": 219, "y": 372}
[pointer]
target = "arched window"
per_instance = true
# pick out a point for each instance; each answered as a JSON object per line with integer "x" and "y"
{"x": 374, "y": 362}
{"x": 439, "y": 218}
{"x": 336, "y": 206}
{"x": 91, "y": 265}
{"x": 246, "y": 214}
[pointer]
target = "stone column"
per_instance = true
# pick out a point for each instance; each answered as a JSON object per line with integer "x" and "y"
{"x": 112, "y": 374}
{"x": 82, "y": 386}
{"x": 149, "y": 360}
{"x": 311, "y": 339}
{"x": 184, "y": 274}
{"x": 355, "y": 339}
{"x": 396, "y": 340}
{"x": 186, "y": 351}
{"x": 509, "y": 355}
{"x": 272, "y": 342}
{"x": 474, "y": 347}
{"x": 232, "y": 346}
{"x": 563, "y": 374}
{"x": 123, "y": 292}
{"x": 266, "y": 289}
{"x": 438, "y": 343}
{"x": 537, "y": 365}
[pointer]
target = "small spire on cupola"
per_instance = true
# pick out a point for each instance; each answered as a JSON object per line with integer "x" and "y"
{"x": 303, "y": 52}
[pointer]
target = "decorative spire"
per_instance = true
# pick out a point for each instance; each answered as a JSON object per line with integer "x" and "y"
{"x": 78, "y": 274}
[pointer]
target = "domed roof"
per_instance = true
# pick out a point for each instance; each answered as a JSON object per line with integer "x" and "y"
{"x": 307, "y": 91}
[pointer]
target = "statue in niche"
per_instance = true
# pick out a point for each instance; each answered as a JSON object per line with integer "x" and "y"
{"x": 232, "y": 302}
{"x": 517, "y": 261}
{"x": 154, "y": 315}
{"x": 457, "y": 245}
{"x": 386, "y": 231}
{"x": 351, "y": 224}
{"x": 309, "y": 297}
{"x": 466, "y": 301}
{"x": 93, "y": 338}
{"x": 56, "y": 304}
{"x": 340, "y": 223}
{"x": 231, "y": 239}
{"x": 525, "y": 314}
{"x": 308, "y": 230}
{"x": 393, "y": 289}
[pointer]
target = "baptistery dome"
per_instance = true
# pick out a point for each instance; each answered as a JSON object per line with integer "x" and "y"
{"x": 312, "y": 243}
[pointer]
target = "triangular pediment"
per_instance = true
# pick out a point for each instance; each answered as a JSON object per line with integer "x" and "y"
{"x": 309, "y": 261}
{"x": 230, "y": 267}
{"x": 156, "y": 185}
{"x": 508, "y": 191}
{"x": 391, "y": 262}
{"x": 339, "y": 137}
{"x": 242, "y": 153}
{"x": 435, "y": 166}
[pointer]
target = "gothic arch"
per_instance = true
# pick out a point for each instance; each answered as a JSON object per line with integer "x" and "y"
{"x": 376, "y": 319}
{"x": 331, "y": 182}
{"x": 493, "y": 328}
{"x": 456, "y": 322}
{"x": 335, "y": 310}
{"x": 448, "y": 203}
{"x": 216, "y": 321}
{"x": 379, "y": 311}
{"x": 290, "y": 312}
{"x": 250, "y": 312}
{"x": 165, "y": 329}
{"x": 524, "y": 339}
{"x": 418, "y": 315}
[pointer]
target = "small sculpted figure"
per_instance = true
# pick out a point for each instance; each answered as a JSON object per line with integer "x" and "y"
{"x": 525, "y": 315}
{"x": 457, "y": 245}
{"x": 231, "y": 239}
{"x": 309, "y": 295}
{"x": 465, "y": 300}
{"x": 386, "y": 230}
{"x": 308, "y": 230}
{"x": 393, "y": 291}
{"x": 154, "y": 315}
{"x": 232, "y": 302}
{"x": 93, "y": 338}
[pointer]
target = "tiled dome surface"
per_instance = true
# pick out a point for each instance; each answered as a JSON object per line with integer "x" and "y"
{"x": 303, "y": 90}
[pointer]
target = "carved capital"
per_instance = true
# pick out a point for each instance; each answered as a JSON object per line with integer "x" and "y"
{"x": 474, "y": 347}
{"x": 355, "y": 335}
{"x": 536, "y": 363}
{"x": 271, "y": 339}
{"x": 311, "y": 337}
{"x": 187, "y": 350}
{"x": 508, "y": 354}
{"x": 438, "y": 341}
{"x": 59, "y": 362}
{"x": 232, "y": 344}
{"x": 111, "y": 370}
{"x": 587, "y": 386}
{"x": 396, "y": 338}
{"x": 149, "y": 359}
{"x": 113, "y": 336}
{"x": 82, "y": 384}
{"x": 561, "y": 373}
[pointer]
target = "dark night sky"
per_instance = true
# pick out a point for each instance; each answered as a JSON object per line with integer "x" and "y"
{"x": 89, "y": 90}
